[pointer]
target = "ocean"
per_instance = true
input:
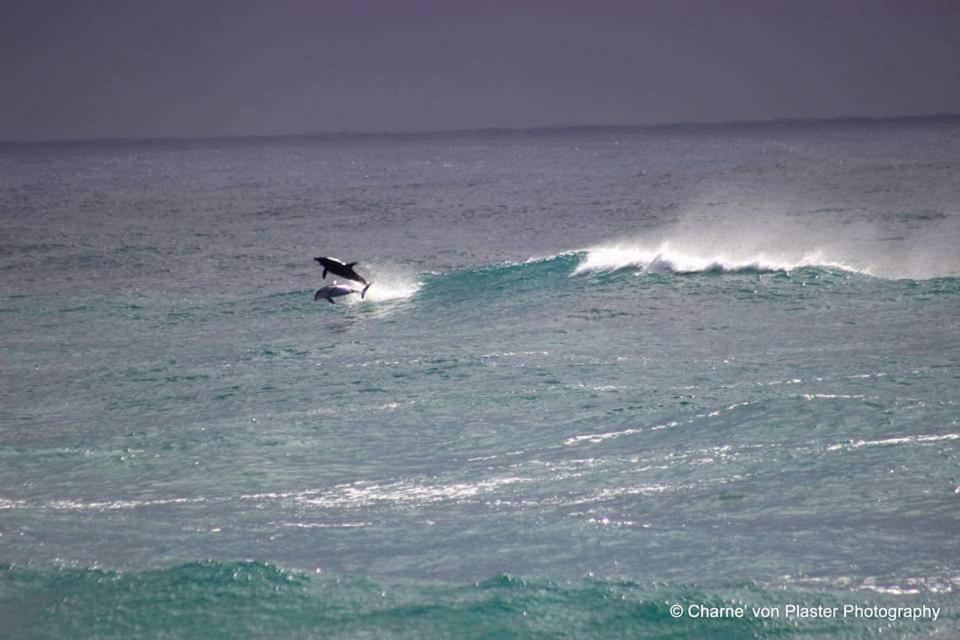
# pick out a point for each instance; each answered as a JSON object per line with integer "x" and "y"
{"x": 694, "y": 381}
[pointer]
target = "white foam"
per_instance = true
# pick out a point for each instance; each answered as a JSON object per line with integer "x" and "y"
{"x": 105, "y": 505}
{"x": 361, "y": 494}
{"x": 894, "y": 441}
{"x": 594, "y": 438}
{"x": 666, "y": 257}
{"x": 322, "y": 525}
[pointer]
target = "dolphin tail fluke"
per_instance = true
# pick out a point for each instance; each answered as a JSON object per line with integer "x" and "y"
{"x": 364, "y": 292}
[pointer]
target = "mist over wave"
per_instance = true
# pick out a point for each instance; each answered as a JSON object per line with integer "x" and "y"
{"x": 733, "y": 241}
{"x": 388, "y": 284}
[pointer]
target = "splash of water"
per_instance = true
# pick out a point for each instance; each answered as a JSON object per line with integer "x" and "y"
{"x": 389, "y": 284}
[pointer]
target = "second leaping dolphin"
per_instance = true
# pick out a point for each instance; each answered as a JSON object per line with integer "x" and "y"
{"x": 338, "y": 268}
{"x": 330, "y": 291}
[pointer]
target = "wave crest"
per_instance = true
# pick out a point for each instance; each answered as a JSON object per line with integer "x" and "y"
{"x": 667, "y": 259}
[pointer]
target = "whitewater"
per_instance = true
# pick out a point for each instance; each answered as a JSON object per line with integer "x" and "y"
{"x": 600, "y": 373}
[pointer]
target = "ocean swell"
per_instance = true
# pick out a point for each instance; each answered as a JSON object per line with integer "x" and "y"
{"x": 665, "y": 258}
{"x": 248, "y": 599}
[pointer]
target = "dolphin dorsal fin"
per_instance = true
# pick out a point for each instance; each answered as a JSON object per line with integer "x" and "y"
{"x": 350, "y": 264}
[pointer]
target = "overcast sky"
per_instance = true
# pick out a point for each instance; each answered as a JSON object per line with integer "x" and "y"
{"x": 137, "y": 68}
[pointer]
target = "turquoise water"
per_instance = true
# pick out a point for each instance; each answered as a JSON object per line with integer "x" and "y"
{"x": 246, "y": 599}
{"x": 599, "y": 373}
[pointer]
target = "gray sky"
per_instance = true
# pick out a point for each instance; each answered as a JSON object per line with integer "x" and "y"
{"x": 133, "y": 68}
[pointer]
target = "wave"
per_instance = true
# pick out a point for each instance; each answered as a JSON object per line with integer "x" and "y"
{"x": 667, "y": 259}
{"x": 551, "y": 273}
{"x": 663, "y": 259}
{"x": 468, "y": 284}
{"x": 253, "y": 599}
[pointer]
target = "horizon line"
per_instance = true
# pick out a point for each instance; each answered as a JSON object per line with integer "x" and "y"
{"x": 490, "y": 129}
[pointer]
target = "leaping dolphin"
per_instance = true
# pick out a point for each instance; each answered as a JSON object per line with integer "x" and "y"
{"x": 330, "y": 291}
{"x": 338, "y": 268}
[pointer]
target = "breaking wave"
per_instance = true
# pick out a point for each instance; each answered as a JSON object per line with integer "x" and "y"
{"x": 552, "y": 272}
{"x": 665, "y": 258}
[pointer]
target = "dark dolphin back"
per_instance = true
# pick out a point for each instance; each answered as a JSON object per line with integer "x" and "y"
{"x": 338, "y": 268}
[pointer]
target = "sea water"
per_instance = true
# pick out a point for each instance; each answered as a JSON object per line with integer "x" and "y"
{"x": 599, "y": 373}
